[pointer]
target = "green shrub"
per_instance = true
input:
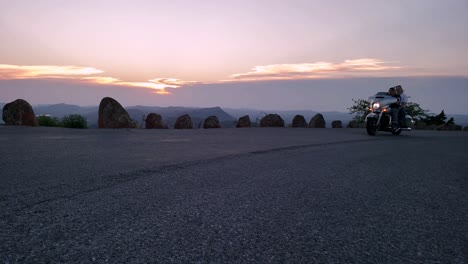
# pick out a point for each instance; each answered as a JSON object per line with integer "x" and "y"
{"x": 360, "y": 109}
{"x": 74, "y": 121}
{"x": 48, "y": 121}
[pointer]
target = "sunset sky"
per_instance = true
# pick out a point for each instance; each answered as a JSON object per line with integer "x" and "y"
{"x": 297, "y": 54}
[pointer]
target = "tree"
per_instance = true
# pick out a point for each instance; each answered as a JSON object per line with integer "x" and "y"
{"x": 48, "y": 121}
{"x": 360, "y": 109}
{"x": 450, "y": 122}
{"x": 438, "y": 120}
{"x": 416, "y": 111}
{"x": 74, "y": 121}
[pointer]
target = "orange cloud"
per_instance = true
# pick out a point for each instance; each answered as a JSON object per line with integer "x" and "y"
{"x": 265, "y": 72}
{"x": 312, "y": 70}
{"x": 101, "y": 80}
{"x": 158, "y": 84}
{"x": 8, "y": 71}
{"x": 163, "y": 92}
{"x": 172, "y": 82}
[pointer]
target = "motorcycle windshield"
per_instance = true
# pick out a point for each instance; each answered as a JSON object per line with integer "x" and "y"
{"x": 383, "y": 98}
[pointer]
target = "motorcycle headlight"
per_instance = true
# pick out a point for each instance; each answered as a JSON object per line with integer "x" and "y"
{"x": 376, "y": 106}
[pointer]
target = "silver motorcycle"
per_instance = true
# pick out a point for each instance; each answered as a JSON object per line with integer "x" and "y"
{"x": 380, "y": 117}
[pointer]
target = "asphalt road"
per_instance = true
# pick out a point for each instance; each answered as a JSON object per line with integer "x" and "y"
{"x": 260, "y": 195}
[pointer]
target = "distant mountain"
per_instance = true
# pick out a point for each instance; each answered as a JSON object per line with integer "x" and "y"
{"x": 256, "y": 115}
{"x": 228, "y": 116}
{"x": 173, "y": 111}
{"x": 170, "y": 114}
{"x": 60, "y": 110}
{"x": 328, "y": 116}
{"x": 461, "y": 120}
{"x": 138, "y": 113}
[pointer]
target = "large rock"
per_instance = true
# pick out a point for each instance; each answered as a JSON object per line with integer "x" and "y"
{"x": 317, "y": 121}
{"x": 420, "y": 125}
{"x": 19, "y": 113}
{"x": 452, "y": 127}
{"x": 244, "y": 121}
{"x": 183, "y": 122}
{"x": 272, "y": 120}
{"x": 356, "y": 124}
{"x": 113, "y": 115}
{"x": 211, "y": 122}
{"x": 410, "y": 122}
{"x": 337, "y": 124}
{"x": 154, "y": 121}
{"x": 423, "y": 126}
{"x": 299, "y": 121}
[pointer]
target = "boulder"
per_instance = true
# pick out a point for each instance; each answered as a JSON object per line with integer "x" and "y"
{"x": 19, "y": 113}
{"x": 154, "y": 121}
{"x": 272, "y": 120}
{"x": 356, "y": 124}
{"x": 183, "y": 122}
{"x": 113, "y": 115}
{"x": 211, "y": 122}
{"x": 420, "y": 125}
{"x": 317, "y": 121}
{"x": 410, "y": 122}
{"x": 299, "y": 121}
{"x": 337, "y": 124}
{"x": 244, "y": 121}
{"x": 449, "y": 127}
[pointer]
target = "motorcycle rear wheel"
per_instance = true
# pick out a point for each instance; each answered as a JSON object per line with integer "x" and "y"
{"x": 371, "y": 126}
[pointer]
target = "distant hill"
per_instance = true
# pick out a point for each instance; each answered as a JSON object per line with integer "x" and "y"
{"x": 461, "y": 120}
{"x": 138, "y": 113}
{"x": 328, "y": 116}
{"x": 256, "y": 115}
{"x": 170, "y": 114}
{"x": 228, "y": 116}
{"x": 59, "y": 110}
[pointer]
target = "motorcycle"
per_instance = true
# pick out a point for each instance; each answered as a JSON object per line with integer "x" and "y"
{"x": 380, "y": 117}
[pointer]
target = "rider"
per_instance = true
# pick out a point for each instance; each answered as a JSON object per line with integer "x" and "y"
{"x": 394, "y": 107}
{"x": 403, "y": 105}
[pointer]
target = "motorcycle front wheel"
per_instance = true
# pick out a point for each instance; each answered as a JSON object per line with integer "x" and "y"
{"x": 371, "y": 126}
